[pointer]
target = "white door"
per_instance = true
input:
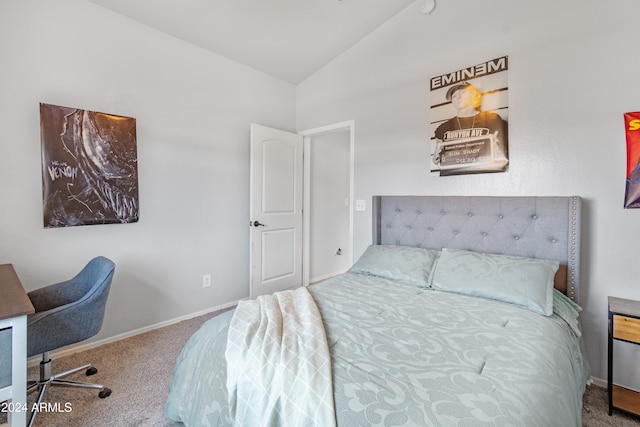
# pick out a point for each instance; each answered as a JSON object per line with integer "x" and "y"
{"x": 275, "y": 210}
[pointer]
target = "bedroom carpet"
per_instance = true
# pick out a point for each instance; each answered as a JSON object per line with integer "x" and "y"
{"x": 138, "y": 370}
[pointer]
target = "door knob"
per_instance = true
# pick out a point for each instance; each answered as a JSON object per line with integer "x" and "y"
{"x": 258, "y": 224}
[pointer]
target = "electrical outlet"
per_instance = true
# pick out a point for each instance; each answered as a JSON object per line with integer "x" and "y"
{"x": 206, "y": 280}
{"x": 360, "y": 205}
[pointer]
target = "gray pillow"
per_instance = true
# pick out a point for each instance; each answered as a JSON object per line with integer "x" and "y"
{"x": 527, "y": 282}
{"x": 406, "y": 264}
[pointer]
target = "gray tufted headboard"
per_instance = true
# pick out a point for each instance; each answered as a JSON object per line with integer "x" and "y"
{"x": 535, "y": 227}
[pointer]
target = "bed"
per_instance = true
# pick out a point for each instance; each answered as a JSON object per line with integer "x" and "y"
{"x": 462, "y": 312}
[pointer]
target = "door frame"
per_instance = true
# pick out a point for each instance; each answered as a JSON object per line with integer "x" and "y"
{"x": 306, "y": 210}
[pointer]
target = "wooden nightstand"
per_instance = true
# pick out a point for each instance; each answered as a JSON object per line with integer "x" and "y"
{"x": 624, "y": 325}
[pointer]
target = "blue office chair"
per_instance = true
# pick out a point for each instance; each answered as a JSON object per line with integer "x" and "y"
{"x": 67, "y": 313}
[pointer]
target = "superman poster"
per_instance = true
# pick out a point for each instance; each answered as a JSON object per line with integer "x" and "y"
{"x": 89, "y": 167}
{"x": 632, "y": 193}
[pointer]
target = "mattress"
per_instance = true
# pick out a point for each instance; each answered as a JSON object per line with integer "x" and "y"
{"x": 408, "y": 355}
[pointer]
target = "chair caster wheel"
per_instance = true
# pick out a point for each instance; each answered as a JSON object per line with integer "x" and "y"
{"x": 105, "y": 392}
{"x": 92, "y": 371}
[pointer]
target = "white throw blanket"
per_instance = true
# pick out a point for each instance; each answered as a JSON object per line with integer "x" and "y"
{"x": 278, "y": 363}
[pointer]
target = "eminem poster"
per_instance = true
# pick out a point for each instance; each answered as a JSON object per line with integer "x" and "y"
{"x": 632, "y": 193}
{"x": 470, "y": 113}
{"x": 89, "y": 167}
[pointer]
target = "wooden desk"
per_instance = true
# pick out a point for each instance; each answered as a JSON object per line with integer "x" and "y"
{"x": 14, "y": 308}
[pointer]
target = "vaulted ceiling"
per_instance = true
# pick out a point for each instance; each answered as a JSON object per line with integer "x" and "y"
{"x": 289, "y": 39}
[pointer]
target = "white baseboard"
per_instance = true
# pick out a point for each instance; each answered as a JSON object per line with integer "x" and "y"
{"x": 76, "y": 348}
{"x": 599, "y": 382}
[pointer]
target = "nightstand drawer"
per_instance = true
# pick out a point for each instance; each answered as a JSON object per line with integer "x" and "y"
{"x": 626, "y": 328}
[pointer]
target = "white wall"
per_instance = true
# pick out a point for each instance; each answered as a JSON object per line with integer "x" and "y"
{"x": 573, "y": 72}
{"x": 329, "y": 202}
{"x": 193, "y": 111}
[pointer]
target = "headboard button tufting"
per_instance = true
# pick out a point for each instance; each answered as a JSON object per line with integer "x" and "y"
{"x": 407, "y": 220}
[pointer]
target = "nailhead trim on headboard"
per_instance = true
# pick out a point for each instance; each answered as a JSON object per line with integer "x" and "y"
{"x": 574, "y": 247}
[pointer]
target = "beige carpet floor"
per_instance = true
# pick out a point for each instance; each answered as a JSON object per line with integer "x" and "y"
{"x": 138, "y": 370}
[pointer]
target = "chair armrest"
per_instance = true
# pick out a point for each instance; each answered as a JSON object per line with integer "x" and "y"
{"x": 52, "y": 296}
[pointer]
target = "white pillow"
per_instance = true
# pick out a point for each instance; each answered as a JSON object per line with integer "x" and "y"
{"x": 526, "y": 282}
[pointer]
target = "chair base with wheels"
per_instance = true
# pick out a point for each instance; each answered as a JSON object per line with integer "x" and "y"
{"x": 46, "y": 380}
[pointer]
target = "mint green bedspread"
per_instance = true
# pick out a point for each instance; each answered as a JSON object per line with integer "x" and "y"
{"x": 407, "y": 356}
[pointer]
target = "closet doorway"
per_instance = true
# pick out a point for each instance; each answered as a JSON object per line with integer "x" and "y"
{"x": 328, "y": 201}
